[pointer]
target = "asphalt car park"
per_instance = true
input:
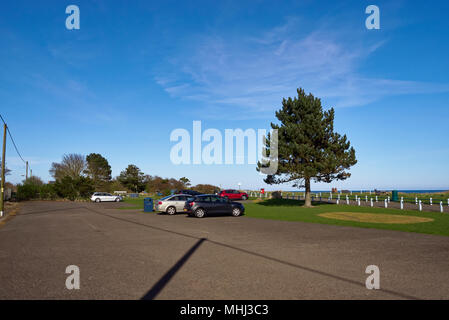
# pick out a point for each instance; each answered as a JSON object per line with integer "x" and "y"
{"x": 129, "y": 254}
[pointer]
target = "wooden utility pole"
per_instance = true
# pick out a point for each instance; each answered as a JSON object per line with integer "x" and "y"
{"x": 26, "y": 173}
{"x": 2, "y": 186}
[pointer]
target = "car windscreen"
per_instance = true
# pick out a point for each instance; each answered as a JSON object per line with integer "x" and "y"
{"x": 164, "y": 198}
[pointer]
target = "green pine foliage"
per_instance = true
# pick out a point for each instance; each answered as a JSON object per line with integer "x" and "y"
{"x": 308, "y": 148}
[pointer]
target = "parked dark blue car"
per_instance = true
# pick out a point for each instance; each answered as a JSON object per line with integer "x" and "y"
{"x": 211, "y": 204}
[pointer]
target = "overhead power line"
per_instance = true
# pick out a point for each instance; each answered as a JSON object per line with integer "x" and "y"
{"x": 13, "y": 142}
{"x": 15, "y": 147}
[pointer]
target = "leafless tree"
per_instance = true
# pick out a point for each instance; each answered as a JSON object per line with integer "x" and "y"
{"x": 7, "y": 171}
{"x": 72, "y": 165}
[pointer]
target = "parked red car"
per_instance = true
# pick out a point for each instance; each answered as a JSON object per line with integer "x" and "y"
{"x": 233, "y": 194}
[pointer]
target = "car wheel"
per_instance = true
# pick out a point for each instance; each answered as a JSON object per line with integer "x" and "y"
{"x": 117, "y": 200}
{"x": 244, "y": 198}
{"x": 236, "y": 212}
{"x": 171, "y": 210}
{"x": 97, "y": 200}
{"x": 199, "y": 213}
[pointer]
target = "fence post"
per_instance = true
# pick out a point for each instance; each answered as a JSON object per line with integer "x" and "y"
{"x": 388, "y": 199}
{"x": 366, "y": 198}
{"x": 430, "y": 201}
{"x": 402, "y": 203}
{"x": 416, "y": 200}
{"x": 441, "y": 206}
{"x": 358, "y": 201}
{"x": 371, "y": 200}
{"x": 338, "y": 201}
{"x": 386, "y": 203}
{"x": 420, "y": 205}
{"x": 347, "y": 199}
{"x": 376, "y": 198}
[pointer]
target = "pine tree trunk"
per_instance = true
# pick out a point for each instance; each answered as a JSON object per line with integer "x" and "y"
{"x": 308, "y": 202}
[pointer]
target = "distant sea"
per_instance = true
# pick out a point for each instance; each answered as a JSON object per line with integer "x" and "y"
{"x": 404, "y": 191}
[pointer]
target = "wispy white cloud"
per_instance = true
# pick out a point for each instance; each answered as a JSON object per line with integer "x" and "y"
{"x": 254, "y": 73}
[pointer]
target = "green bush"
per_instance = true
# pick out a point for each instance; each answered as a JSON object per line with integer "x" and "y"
{"x": 67, "y": 187}
{"x": 27, "y": 192}
{"x": 34, "y": 189}
{"x": 47, "y": 191}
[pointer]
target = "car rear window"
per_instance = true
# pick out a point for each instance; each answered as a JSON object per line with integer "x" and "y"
{"x": 203, "y": 199}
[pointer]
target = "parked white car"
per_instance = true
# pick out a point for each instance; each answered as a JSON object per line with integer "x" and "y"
{"x": 103, "y": 197}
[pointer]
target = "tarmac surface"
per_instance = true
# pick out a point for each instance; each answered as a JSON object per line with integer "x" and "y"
{"x": 127, "y": 254}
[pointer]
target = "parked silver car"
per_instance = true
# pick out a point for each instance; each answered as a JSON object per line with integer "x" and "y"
{"x": 104, "y": 196}
{"x": 172, "y": 204}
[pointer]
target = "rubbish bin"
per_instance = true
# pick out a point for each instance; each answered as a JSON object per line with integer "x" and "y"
{"x": 394, "y": 195}
{"x": 148, "y": 205}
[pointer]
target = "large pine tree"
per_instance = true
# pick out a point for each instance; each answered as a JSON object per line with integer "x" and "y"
{"x": 308, "y": 147}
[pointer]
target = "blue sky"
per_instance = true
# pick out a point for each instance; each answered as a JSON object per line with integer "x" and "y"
{"x": 137, "y": 70}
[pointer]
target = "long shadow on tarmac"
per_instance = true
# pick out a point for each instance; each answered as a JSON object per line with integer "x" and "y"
{"x": 164, "y": 280}
{"x": 154, "y": 291}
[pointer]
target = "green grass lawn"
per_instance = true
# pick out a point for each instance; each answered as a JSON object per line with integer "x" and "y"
{"x": 137, "y": 203}
{"x": 292, "y": 210}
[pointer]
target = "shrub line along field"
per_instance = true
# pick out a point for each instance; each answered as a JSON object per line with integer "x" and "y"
{"x": 293, "y": 210}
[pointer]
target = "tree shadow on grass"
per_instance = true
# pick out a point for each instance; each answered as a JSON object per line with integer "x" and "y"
{"x": 288, "y": 203}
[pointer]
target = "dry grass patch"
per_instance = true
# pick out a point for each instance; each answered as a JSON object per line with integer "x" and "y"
{"x": 11, "y": 209}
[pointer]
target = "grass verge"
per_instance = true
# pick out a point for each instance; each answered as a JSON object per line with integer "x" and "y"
{"x": 292, "y": 210}
{"x": 136, "y": 203}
